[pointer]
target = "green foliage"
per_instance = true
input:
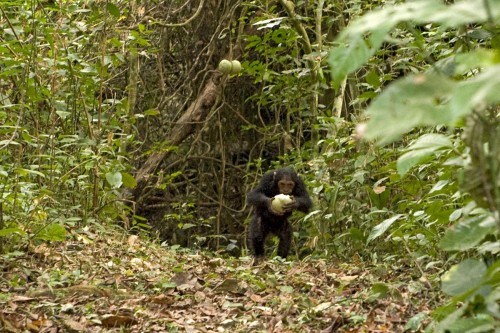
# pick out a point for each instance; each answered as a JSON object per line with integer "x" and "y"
{"x": 463, "y": 277}
{"x": 468, "y": 233}
{"x": 63, "y": 132}
{"x": 382, "y": 227}
{"x": 445, "y": 90}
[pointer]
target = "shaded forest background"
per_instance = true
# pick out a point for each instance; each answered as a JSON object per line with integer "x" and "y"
{"x": 114, "y": 113}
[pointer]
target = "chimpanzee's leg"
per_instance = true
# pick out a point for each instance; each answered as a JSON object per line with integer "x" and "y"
{"x": 285, "y": 235}
{"x": 257, "y": 235}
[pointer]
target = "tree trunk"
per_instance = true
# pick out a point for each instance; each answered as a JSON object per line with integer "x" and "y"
{"x": 196, "y": 113}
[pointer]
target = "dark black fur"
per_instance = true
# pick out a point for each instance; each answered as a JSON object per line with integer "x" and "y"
{"x": 264, "y": 221}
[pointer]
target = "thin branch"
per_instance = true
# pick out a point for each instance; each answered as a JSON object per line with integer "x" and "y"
{"x": 189, "y": 20}
{"x": 298, "y": 26}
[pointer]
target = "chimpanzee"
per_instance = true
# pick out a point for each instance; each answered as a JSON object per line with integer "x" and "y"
{"x": 267, "y": 220}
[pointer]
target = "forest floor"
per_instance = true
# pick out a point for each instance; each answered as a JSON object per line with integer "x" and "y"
{"x": 112, "y": 282}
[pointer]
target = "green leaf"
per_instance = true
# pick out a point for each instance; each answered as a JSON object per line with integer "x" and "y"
{"x": 390, "y": 16}
{"x": 372, "y": 79}
{"x": 450, "y": 314}
{"x": 9, "y": 142}
{"x": 128, "y": 180}
{"x": 425, "y": 11}
{"x": 113, "y": 9}
{"x": 52, "y": 232}
{"x": 439, "y": 185}
{"x": 421, "y": 150}
{"x": 286, "y": 289}
{"x": 416, "y": 100}
{"x": 114, "y": 179}
{"x": 421, "y": 100}
{"x": 169, "y": 285}
{"x": 410, "y": 159}
{"x": 480, "y": 58}
{"x": 463, "y": 277}
{"x": 151, "y": 112}
{"x": 480, "y": 90}
{"x": 187, "y": 226}
{"x": 10, "y": 231}
{"x": 464, "y": 12}
{"x": 382, "y": 227}
{"x": 354, "y": 53}
{"x": 467, "y": 233}
{"x": 25, "y": 172}
{"x": 435, "y": 141}
{"x": 416, "y": 321}
{"x": 379, "y": 291}
{"x": 472, "y": 325}
{"x": 63, "y": 114}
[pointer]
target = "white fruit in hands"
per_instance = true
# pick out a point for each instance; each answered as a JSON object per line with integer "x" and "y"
{"x": 225, "y": 66}
{"x": 280, "y": 200}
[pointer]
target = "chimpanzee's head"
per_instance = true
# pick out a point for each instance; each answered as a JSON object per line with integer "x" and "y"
{"x": 285, "y": 180}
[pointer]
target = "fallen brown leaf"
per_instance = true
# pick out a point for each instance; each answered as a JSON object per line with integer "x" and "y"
{"x": 118, "y": 320}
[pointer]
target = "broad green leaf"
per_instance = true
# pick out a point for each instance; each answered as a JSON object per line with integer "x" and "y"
{"x": 113, "y": 10}
{"x": 463, "y": 277}
{"x": 421, "y": 150}
{"x": 472, "y": 325}
{"x": 417, "y": 100}
{"x": 128, "y": 180}
{"x": 25, "y": 172}
{"x": 379, "y": 22}
{"x": 63, "y": 114}
{"x": 426, "y": 11}
{"x": 432, "y": 140}
{"x": 382, "y": 227}
{"x": 450, "y": 314}
{"x": 187, "y": 226}
{"x": 439, "y": 185}
{"x": 389, "y": 16}
{"x": 466, "y": 234}
{"x": 416, "y": 321}
{"x": 465, "y": 12}
{"x": 350, "y": 56}
{"x": 53, "y": 232}
{"x": 379, "y": 290}
{"x": 480, "y": 58}
{"x": 151, "y": 112}
{"x": 489, "y": 247}
{"x": 169, "y": 285}
{"x": 114, "y": 179}
{"x": 482, "y": 89}
{"x": 10, "y": 231}
{"x": 9, "y": 142}
{"x": 410, "y": 159}
{"x": 373, "y": 79}
{"x": 457, "y": 213}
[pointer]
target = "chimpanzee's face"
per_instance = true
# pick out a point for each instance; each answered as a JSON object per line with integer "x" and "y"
{"x": 286, "y": 185}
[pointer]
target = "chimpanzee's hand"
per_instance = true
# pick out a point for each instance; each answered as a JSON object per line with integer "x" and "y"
{"x": 287, "y": 208}
{"x": 271, "y": 209}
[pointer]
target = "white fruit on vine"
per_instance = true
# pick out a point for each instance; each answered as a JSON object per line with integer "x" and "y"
{"x": 236, "y": 67}
{"x": 280, "y": 200}
{"x": 225, "y": 66}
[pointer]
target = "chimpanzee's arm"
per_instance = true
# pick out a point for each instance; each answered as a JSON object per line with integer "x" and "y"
{"x": 261, "y": 195}
{"x": 304, "y": 202}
